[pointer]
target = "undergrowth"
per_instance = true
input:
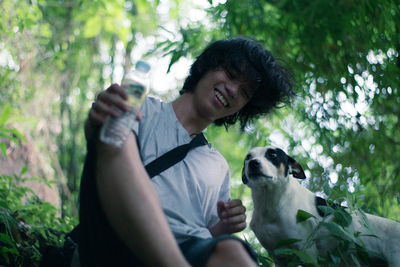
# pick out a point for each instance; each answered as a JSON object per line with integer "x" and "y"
{"x": 28, "y": 225}
{"x": 347, "y": 247}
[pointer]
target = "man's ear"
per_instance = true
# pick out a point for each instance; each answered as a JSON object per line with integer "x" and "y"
{"x": 296, "y": 169}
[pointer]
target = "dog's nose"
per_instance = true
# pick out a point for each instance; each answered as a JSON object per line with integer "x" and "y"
{"x": 254, "y": 163}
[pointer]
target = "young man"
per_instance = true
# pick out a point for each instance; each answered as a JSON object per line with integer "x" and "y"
{"x": 184, "y": 215}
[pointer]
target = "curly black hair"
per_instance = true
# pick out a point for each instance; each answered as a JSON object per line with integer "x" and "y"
{"x": 247, "y": 60}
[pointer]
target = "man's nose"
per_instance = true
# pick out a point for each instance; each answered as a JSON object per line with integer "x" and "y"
{"x": 233, "y": 89}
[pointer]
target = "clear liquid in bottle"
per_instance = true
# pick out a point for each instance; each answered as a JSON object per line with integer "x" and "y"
{"x": 115, "y": 130}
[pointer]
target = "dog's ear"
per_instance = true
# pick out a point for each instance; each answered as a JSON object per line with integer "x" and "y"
{"x": 296, "y": 169}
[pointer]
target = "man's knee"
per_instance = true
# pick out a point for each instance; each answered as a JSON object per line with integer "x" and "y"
{"x": 230, "y": 252}
{"x": 231, "y": 249}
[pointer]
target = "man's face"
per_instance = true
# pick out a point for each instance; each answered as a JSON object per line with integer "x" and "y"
{"x": 218, "y": 95}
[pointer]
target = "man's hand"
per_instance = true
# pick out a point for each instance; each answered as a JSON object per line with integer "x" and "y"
{"x": 110, "y": 102}
{"x": 232, "y": 218}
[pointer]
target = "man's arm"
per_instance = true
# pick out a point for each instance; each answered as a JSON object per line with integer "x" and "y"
{"x": 128, "y": 197}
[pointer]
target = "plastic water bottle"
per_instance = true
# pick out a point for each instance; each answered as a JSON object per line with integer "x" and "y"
{"x": 136, "y": 83}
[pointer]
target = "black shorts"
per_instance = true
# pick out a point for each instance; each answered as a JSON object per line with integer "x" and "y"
{"x": 197, "y": 251}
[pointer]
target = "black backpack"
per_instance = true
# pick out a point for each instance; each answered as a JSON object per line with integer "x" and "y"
{"x": 96, "y": 240}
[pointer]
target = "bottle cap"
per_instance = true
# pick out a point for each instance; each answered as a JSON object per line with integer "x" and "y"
{"x": 142, "y": 66}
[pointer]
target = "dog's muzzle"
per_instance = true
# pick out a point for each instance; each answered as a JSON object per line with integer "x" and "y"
{"x": 253, "y": 168}
{"x": 254, "y": 164}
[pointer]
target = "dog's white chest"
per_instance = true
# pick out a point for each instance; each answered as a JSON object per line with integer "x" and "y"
{"x": 267, "y": 233}
{"x": 275, "y": 220}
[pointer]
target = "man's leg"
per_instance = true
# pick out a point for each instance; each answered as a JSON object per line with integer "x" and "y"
{"x": 225, "y": 250}
{"x": 230, "y": 252}
{"x": 132, "y": 207}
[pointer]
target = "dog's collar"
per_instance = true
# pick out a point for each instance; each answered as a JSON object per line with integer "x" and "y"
{"x": 319, "y": 201}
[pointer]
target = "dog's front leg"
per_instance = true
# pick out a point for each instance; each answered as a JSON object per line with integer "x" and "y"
{"x": 308, "y": 230}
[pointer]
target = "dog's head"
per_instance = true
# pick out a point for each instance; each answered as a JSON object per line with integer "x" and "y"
{"x": 269, "y": 165}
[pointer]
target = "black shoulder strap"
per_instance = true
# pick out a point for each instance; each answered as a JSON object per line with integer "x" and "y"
{"x": 173, "y": 156}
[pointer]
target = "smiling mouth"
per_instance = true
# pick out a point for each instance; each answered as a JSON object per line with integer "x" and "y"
{"x": 221, "y": 98}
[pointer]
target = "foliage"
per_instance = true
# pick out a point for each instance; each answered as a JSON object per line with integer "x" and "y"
{"x": 348, "y": 250}
{"x": 347, "y": 247}
{"x": 345, "y": 57}
{"x": 6, "y": 131}
{"x": 27, "y": 224}
{"x": 58, "y": 54}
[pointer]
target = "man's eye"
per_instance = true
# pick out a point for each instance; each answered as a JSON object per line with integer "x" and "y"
{"x": 245, "y": 93}
{"x": 229, "y": 74}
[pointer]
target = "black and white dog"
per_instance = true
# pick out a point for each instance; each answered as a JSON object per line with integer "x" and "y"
{"x": 277, "y": 195}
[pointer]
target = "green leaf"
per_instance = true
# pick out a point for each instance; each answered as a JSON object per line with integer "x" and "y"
{"x": 303, "y": 215}
{"x": 17, "y": 134}
{"x": 24, "y": 170}
{"x": 338, "y": 231}
{"x": 265, "y": 261}
{"x": 176, "y": 55}
{"x": 286, "y": 242}
{"x": 362, "y": 253}
{"x": 327, "y": 189}
{"x": 3, "y": 149}
{"x": 3, "y": 204}
{"x": 5, "y": 114}
{"x": 326, "y": 210}
{"x": 355, "y": 260}
{"x": 335, "y": 259}
{"x": 11, "y": 250}
{"x": 303, "y": 256}
{"x": 92, "y": 27}
{"x": 7, "y": 239}
{"x": 342, "y": 217}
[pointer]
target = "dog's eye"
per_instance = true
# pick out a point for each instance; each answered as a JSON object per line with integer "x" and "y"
{"x": 271, "y": 154}
{"x": 248, "y": 157}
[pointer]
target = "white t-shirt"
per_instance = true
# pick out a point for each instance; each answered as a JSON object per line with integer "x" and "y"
{"x": 189, "y": 190}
